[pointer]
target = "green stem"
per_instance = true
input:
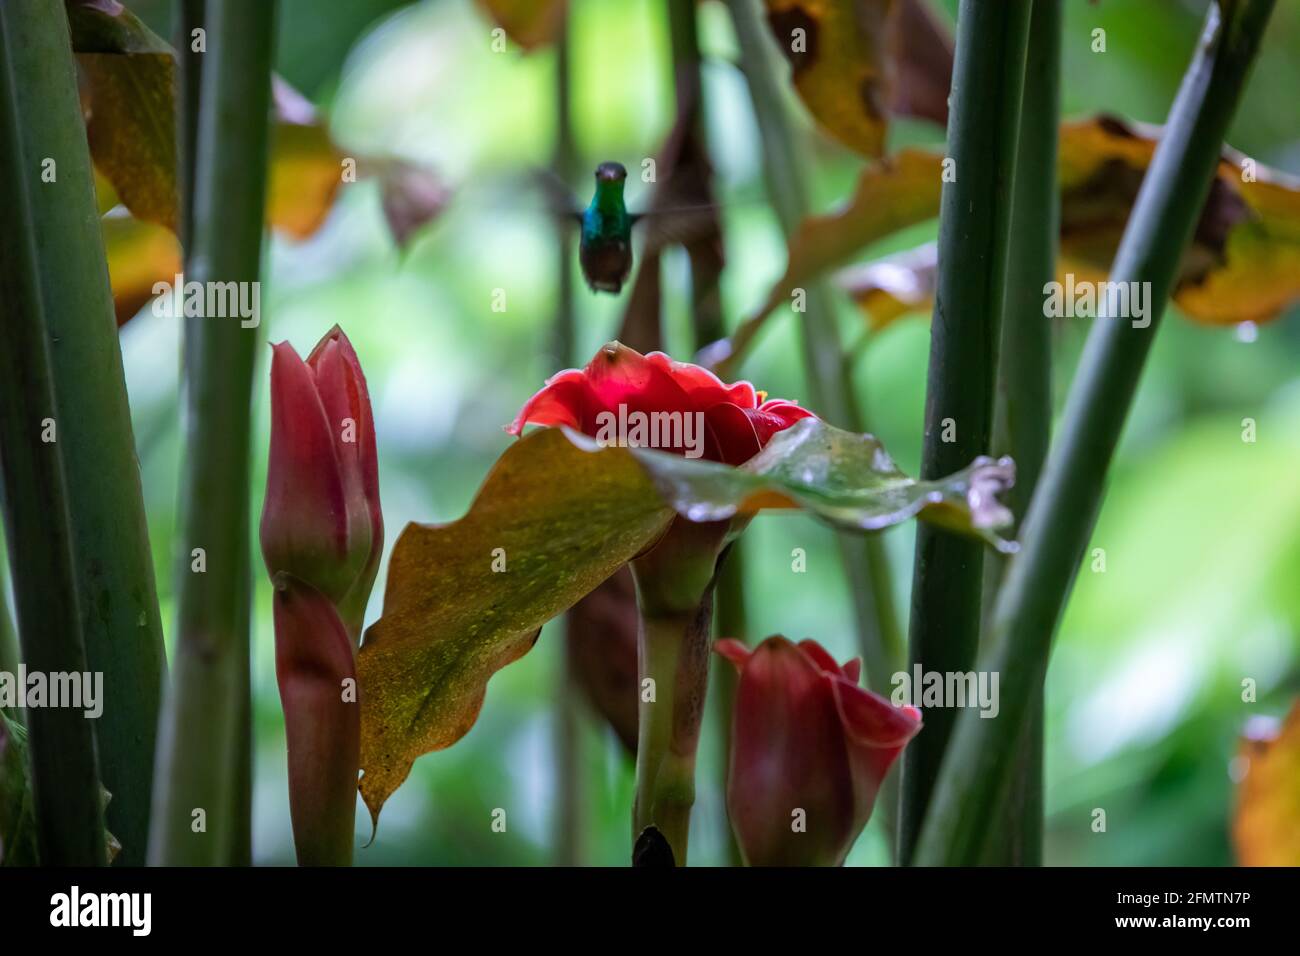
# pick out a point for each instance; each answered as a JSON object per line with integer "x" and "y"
{"x": 1064, "y": 508}
{"x": 122, "y": 630}
{"x": 865, "y": 562}
{"x": 974, "y": 231}
{"x": 203, "y": 747}
{"x": 1023, "y": 405}
{"x": 47, "y": 223}
{"x": 673, "y": 651}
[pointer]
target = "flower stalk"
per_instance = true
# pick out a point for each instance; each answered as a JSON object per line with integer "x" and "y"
{"x": 674, "y": 582}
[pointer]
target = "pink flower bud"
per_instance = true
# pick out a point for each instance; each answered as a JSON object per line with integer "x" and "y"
{"x": 809, "y": 750}
{"x": 321, "y": 521}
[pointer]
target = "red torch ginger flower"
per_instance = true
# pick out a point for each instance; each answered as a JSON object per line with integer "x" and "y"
{"x": 621, "y": 391}
{"x": 809, "y": 750}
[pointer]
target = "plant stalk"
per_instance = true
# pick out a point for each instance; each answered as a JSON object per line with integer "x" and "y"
{"x": 203, "y": 750}
{"x": 974, "y": 233}
{"x": 121, "y": 627}
{"x": 1063, "y": 511}
{"x": 1023, "y": 402}
{"x": 49, "y": 222}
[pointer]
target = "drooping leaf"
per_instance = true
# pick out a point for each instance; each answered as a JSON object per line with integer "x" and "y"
{"x": 556, "y": 516}
{"x": 854, "y": 62}
{"x": 530, "y": 23}
{"x": 140, "y": 255}
{"x": 1266, "y": 825}
{"x": 129, "y": 92}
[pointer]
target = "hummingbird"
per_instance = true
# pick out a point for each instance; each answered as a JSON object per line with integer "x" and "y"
{"x": 605, "y": 239}
{"x": 605, "y": 225}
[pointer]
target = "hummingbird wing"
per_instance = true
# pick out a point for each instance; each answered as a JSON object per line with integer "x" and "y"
{"x": 678, "y": 225}
{"x": 560, "y": 199}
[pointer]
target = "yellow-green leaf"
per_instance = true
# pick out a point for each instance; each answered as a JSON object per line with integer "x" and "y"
{"x": 1266, "y": 825}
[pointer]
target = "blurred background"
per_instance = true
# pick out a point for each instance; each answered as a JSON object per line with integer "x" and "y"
{"x": 1200, "y": 529}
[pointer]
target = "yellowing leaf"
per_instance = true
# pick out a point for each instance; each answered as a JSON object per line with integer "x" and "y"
{"x": 854, "y": 62}
{"x": 140, "y": 254}
{"x": 530, "y": 23}
{"x": 1244, "y": 264}
{"x": 305, "y": 175}
{"x": 1266, "y": 825}
{"x": 557, "y": 516}
{"x": 128, "y": 97}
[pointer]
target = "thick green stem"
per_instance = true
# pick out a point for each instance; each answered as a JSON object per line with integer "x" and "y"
{"x": 674, "y": 591}
{"x": 1063, "y": 511}
{"x": 121, "y": 627}
{"x": 203, "y": 751}
{"x": 974, "y": 230}
{"x": 1023, "y": 404}
{"x": 46, "y": 192}
{"x": 829, "y": 388}
{"x": 673, "y": 652}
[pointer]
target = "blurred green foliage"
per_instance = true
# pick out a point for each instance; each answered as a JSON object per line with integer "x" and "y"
{"x": 1201, "y": 530}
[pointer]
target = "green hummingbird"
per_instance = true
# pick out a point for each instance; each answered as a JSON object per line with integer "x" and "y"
{"x": 605, "y": 225}
{"x": 605, "y": 239}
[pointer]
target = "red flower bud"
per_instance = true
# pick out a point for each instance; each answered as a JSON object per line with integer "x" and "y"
{"x": 321, "y": 521}
{"x": 809, "y": 749}
{"x": 620, "y": 386}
